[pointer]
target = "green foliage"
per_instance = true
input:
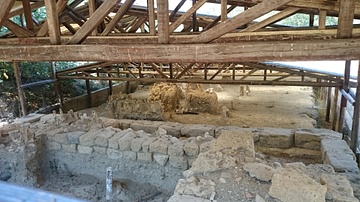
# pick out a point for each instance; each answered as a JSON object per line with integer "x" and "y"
{"x": 302, "y": 20}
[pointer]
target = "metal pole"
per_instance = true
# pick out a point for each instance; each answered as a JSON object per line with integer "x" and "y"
{"x": 109, "y": 183}
{"x": 20, "y": 90}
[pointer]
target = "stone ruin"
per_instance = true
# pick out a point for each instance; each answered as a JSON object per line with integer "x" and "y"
{"x": 182, "y": 162}
{"x": 163, "y": 98}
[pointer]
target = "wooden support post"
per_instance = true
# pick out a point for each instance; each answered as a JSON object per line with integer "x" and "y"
{"x": 92, "y": 9}
{"x": 57, "y": 84}
{"x": 265, "y": 74}
{"x": 356, "y": 118}
{"x": 343, "y": 98}
{"x": 171, "y": 71}
{"x": 5, "y": 6}
{"x": 20, "y": 90}
{"x": 28, "y": 15}
{"x": 328, "y": 105}
{"x": 194, "y": 19}
{"x": 110, "y": 85}
{"x": 335, "y": 109}
{"x": 163, "y": 21}
{"x": 88, "y": 90}
{"x": 93, "y": 21}
{"x": 151, "y": 13}
{"x": 234, "y": 72}
{"x": 205, "y": 71}
{"x": 345, "y": 19}
{"x": 311, "y": 20}
{"x": 53, "y": 22}
{"x": 60, "y": 5}
{"x": 224, "y": 10}
{"x": 322, "y": 19}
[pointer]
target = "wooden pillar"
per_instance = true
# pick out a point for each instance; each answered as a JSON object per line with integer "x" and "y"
{"x": 343, "y": 99}
{"x": 20, "y": 90}
{"x": 224, "y": 10}
{"x": 194, "y": 22}
{"x": 28, "y": 15}
{"x": 328, "y": 105}
{"x": 356, "y": 117}
{"x": 163, "y": 21}
{"x": 152, "y": 28}
{"x": 335, "y": 109}
{"x": 92, "y": 8}
{"x": 171, "y": 71}
{"x": 265, "y": 74}
{"x": 311, "y": 20}
{"x": 322, "y": 19}
{"x": 88, "y": 90}
{"x": 110, "y": 85}
{"x": 57, "y": 85}
{"x": 53, "y": 22}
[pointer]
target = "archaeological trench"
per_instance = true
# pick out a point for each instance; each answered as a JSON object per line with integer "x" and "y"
{"x": 152, "y": 159}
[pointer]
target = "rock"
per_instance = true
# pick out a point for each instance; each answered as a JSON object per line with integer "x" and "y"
{"x": 195, "y": 186}
{"x": 260, "y": 171}
{"x": 276, "y": 137}
{"x": 338, "y": 154}
{"x": 53, "y": 145}
{"x": 146, "y": 144}
{"x": 204, "y": 147}
{"x": 308, "y": 140}
{"x": 160, "y": 146}
{"x": 191, "y": 149}
{"x": 147, "y": 157}
{"x": 299, "y": 187}
{"x": 176, "y": 149}
{"x": 130, "y": 155}
{"x": 242, "y": 141}
{"x": 99, "y": 150}
{"x": 179, "y": 162}
{"x": 31, "y": 118}
{"x": 5, "y": 175}
{"x": 160, "y": 132}
{"x": 113, "y": 153}
{"x": 70, "y": 148}
{"x": 88, "y": 138}
{"x": 173, "y": 129}
{"x": 222, "y": 180}
{"x": 194, "y": 130}
{"x": 147, "y": 126}
{"x": 338, "y": 187}
{"x": 125, "y": 141}
{"x": 136, "y": 144}
{"x": 161, "y": 159}
{"x": 85, "y": 150}
{"x": 102, "y": 139}
{"x": 258, "y": 198}
{"x": 73, "y": 137}
{"x": 186, "y": 198}
{"x": 114, "y": 140}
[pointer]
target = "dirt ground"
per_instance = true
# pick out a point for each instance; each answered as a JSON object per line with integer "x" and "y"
{"x": 264, "y": 106}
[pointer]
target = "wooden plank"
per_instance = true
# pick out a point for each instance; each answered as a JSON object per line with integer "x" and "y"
{"x": 273, "y": 19}
{"x": 151, "y": 13}
{"x": 60, "y": 5}
{"x": 119, "y": 14}
{"x": 238, "y": 21}
{"x": 5, "y": 6}
{"x": 19, "y": 31}
{"x": 92, "y": 9}
{"x": 346, "y": 17}
{"x": 322, "y": 19}
{"x": 20, "y": 90}
{"x": 186, "y": 15}
{"x": 93, "y": 21}
{"x": 28, "y": 15}
{"x": 335, "y": 49}
{"x": 163, "y": 21}
{"x": 224, "y": 12}
{"x": 53, "y": 22}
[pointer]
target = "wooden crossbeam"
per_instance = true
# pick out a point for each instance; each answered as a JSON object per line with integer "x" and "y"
{"x": 273, "y": 19}
{"x": 28, "y": 15}
{"x": 5, "y": 6}
{"x": 19, "y": 31}
{"x": 93, "y": 21}
{"x": 53, "y": 21}
{"x": 156, "y": 68}
{"x": 163, "y": 21}
{"x": 186, "y": 15}
{"x": 239, "y": 20}
{"x": 60, "y": 5}
{"x": 218, "y": 71}
{"x": 249, "y": 51}
{"x": 248, "y": 74}
{"x": 185, "y": 70}
{"x": 119, "y": 14}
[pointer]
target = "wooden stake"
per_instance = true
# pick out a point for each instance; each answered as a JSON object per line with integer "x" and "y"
{"x": 20, "y": 90}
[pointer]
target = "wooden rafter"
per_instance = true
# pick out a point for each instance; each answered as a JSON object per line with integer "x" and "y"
{"x": 119, "y": 14}
{"x": 217, "y": 20}
{"x": 19, "y": 31}
{"x": 53, "y": 21}
{"x": 5, "y": 6}
{"x": 273, "y": 19}
{"x": 92, "y": 9}
{"x": 28, "y": 15}
{"x": 140, "y": 21}
{"x": 176, "y": 9}
{"x": 239, "y": 20}
{"x": 185, "y": 16}
{"x": 93, "y": 21}
{"x": 60, "y": 5}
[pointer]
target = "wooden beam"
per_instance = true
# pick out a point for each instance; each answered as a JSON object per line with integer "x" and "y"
{"x": 345, "y": 19}
{"x": 140, "y": 21}
{"x": 163, "y": 21}
{"x": 151, "y": 13}
{"x": 60, "y": 5}
{"x": 322, "y": 19}
{"x": 273, "y": 19}
{"x": 19, "y": 31}
{"x": 185, "y": 70}
{"x": 5, "y": 6}
{"x": 217, "y": 20}
{"x": 119, "y": 14}
{"x": 186, "y": 15}
{"x": 28, "y": 15}
{"x": 156, "y": 68}
{"x": 93, "y": 21}
{"x": 224, "y": 12}
{"x": 20, "y": 90}
{"x": 335, "y": 49}
{"x": 53, "y": 22}
{"x": 343, "y": 101}
{"x": 92, "y": 9}
{"x": 177, "y": 8}
{"x": 239, "y": 20}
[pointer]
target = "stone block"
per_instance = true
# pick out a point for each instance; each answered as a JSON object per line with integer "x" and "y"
{"x": 125, "y": 141}
{"x": 191, "y": 148}
{"x": 147, "y": 157}
{"x": 61, "y": 138}
{"x": 147, "y": 126}
{"x": 186, "y": 198}
{"x": 129, "y": 155}
{"x": 160, "y": 146}
{"x": 338, "y": 187}
{"x": 31, "y": 118}
{"x": 204, "y": 147}
{"x": 241, "y": 141}
{"x": 191, "y": 160}
{"x": 194, "y": 130}
{"x": 276, "y": 137}
{"x": 70, "y": 148}
{"x": 99, "y": 150}
{"x": 85, "y": 149}
{"x": 88, "y": 138}
{"x": 136, "y": 143}
{"x": 73, "y": 137}
{"x": 220, "y": 129}
{"x": 260, "y": 171}
{"x": 102, "y": 138}
{"x": 125, "y": 123}
{"x": 113, "y": 153}
{"x": 176, "y": 149}
{"x": 146, "y": 144}
{"x": 53, "y": 145}
{"x": 173, "y": 129}
{"x": 311, "y": 138}
{"x": 338, "y": 154}
{"x": 161, "y": 159}
{"x": 179, "y": 162}
{"x": 113, "y": 141}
